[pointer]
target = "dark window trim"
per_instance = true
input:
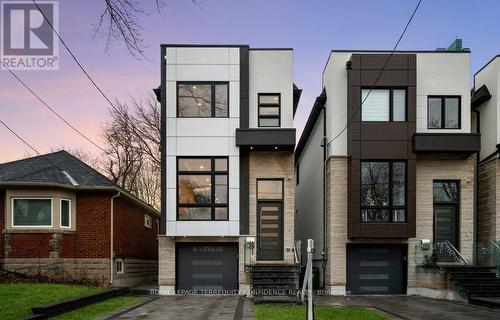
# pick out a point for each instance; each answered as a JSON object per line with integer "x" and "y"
{"x": 390, "y": 207}
{"x": 391, "y": 102}
{"x": 456, "y": 203}
{"x": 263, "y": 105}
{"x": 212, "y": 100}
{"x": 443, "y": 111}
{"x": 212, "y": 173}
{"x": 297, "y": 174}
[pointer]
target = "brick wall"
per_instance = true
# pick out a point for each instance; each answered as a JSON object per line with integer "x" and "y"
{"x": 132, "y": 239}
{"x": 488, "y": 222}
{"x": 2, "y": 222}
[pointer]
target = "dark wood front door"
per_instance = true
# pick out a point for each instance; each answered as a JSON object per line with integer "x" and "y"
{"x": 445, "y": 223}
{"x": 270, "y": 230}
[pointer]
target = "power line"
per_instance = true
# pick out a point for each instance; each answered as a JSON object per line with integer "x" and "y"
{"x": 379, "y": 75}
{"x": 52, "y": 110}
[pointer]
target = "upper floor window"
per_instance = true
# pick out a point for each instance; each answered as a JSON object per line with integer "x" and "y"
{"x": 383, "y": 105}
{"x": 443, "y": 112}
{"x": 269, "y": 109}
{"x": 202, "y": 188}
{"x": 31, "y": 212}
{"x": 383, "y": 191}
{"x": 202, "y": 99}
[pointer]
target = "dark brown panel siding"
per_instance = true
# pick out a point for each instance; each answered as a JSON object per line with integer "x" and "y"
{"x": 380, "y": 140}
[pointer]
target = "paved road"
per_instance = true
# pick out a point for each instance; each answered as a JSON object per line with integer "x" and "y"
{"x": 414, "y": 308}
{"x": 192, "y": 308}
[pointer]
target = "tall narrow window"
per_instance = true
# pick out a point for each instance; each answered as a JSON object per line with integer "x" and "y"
{"x": 383, "y": 191}
{"x": 383, "y": 105}
{"x": 202, "y": 188}
{"x": 203, "y": 100}
{"x": 443, "y": 112}
{"x": 65, "y": 213}
{"x": 269, "y": 109}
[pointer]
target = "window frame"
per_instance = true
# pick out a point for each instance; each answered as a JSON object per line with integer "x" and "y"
{"x": 391, "y": 102}
{"x": 390, "y": 207}
{"x": 268, "y": 105}
{"x": 212, "y": 100}
{"x": 60, "y": 213}
{"x": 122, "y": 271}
{"x": 443, "y": 111}
{"x": 32, "y": 198}
{"x": 148, "y": 218}
{"x": 213, "y": 173}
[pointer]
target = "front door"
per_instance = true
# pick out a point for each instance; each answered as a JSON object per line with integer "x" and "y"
{"x": 270, "y": 230}
{"x": 445, "y": 223}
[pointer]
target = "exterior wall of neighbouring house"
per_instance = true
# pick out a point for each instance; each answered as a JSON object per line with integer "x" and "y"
{"x": 489, "y": 201}
{"x": 83, "y": 253}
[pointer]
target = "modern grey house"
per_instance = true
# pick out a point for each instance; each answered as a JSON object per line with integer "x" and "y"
{"x": 386, "y": 174}
{"x": 227, "y": 168}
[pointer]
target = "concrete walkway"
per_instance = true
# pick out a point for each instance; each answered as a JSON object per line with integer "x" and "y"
{"x": 413, "y": 307}
{"x": 192, "y": 308}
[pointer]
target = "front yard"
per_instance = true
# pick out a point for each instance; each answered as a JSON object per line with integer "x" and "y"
{"x": 273, "y": 312}
{"x": 16, "y": 300}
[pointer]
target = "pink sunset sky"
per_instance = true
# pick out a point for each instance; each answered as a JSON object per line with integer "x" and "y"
{"x": 312, "y": 28}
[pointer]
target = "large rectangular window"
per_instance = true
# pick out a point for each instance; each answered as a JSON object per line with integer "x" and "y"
{"x": 28, "y": 212}
{"x": 383, "y": 105}
{"x": 202, "y": 100}
{"x": 202, "y": 188}
{"x": 443, "y": 112}
{"x": 383, "y": 191}
{"x": 269, "y": 109}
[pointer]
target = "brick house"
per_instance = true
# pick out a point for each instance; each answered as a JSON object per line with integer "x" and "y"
{"x": 61, "y": 219}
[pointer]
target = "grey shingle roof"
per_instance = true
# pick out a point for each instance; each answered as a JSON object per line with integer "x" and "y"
{"x": 58, "y": 167}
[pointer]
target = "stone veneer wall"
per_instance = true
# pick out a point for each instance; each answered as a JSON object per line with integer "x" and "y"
{"x": 429, "y": 168}
{"x": 336, "y": 219}
{"x": 489, "y": 201}
{"x": 278, "y": 165}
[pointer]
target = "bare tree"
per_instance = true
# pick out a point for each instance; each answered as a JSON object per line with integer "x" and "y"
{"x": 132, "y": 137}
{"x": 119, "y": 21}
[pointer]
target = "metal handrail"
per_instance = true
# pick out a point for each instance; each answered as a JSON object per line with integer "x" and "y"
{"x": 454, "y": 250}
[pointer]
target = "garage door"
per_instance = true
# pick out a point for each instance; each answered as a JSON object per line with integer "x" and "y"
{"x": 207, "y": 267}
{"x": 376, "y": 269}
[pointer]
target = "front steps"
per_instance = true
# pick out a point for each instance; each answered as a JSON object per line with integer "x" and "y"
{"x": 476, "y": 283}
{"x": 274, "y": 280}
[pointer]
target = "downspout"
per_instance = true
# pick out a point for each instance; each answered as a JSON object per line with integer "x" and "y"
{"x": 476, "y": 192}
{"x": 325, "y": 154}
{"x": 111, "y": 253}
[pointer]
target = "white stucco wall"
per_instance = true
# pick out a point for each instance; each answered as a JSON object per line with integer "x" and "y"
{"x": 202, "y": 136}
{"x": 309, "y": 192}
{"x": 490, "y": 77}
{"x": 271, "y": 71}
{"x": 440, "y": 73}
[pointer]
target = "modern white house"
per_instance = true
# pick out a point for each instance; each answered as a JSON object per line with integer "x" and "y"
{"x": 386, "y": 172}
{"x": 227, "y": 167}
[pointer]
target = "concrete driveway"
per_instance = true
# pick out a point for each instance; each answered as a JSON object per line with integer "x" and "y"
{"x": 191, "y": 308}
{"x": 413, "y": 307}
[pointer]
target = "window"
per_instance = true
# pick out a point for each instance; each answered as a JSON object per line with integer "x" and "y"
{"x": 202, "y": 188}
{"x": 297, "y": 174}
{"x": 65, "y": 213}
{"x": 383, "y": 191}
{"x": 383, "y": 105}
{"x": 30, "y": 212}
{"x": 147, "y": 221}
{"x": 269, "y": 109}
{"x": 443, "y": 112}
{"x": 119, "y": 266}
{"x": 203, "y": 100}
{"x": 269, "y": 189}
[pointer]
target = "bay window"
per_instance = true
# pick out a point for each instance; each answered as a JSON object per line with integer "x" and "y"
{"x": 65, "y": 213}
{"x": 383, "y": 191}
{"x": 31, "y": 212}
{"x": 202, "y": 188}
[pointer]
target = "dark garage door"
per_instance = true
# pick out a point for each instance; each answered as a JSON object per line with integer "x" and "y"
{"x": 205, "y": 267}
{"x": 376, "y": 269}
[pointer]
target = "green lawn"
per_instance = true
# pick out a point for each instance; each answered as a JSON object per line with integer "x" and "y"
{"x": 99, "y": 309}
{"x": 272, "y": 312}
{"x": 16, "y": 300}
